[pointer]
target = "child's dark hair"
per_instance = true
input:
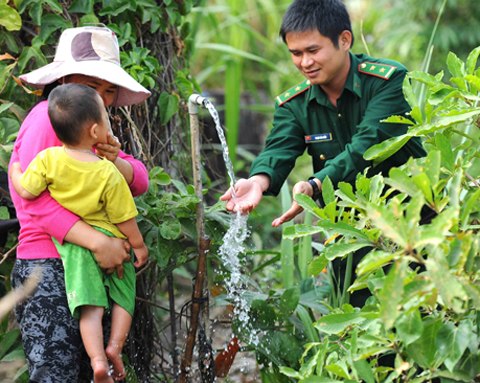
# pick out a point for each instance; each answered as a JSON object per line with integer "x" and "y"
{"x": 329, "y": 17}
{"x": 72, "y": 107}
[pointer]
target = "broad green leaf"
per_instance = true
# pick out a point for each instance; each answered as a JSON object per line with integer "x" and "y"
{"x": 409, "y": 326}
{"x": 170, "y": 229}
{"x": 410, "y": 95}
{"x": 290, "y": 372}
{"x": 301, "y": 230}
{"x": 340, "y": 250}
{"x": 168, "y": 105}
{"x": 380, "y": 152}
{"x": 460, "y": 340}
{"x": 447, "y": 155}
{"x": 422, "y": 181}
{"x": 455, "y": 66}
{"x": 262, "y": 314}
{"x": 4, "y": 107}
{"x": 308, "y": 204}
{"x": 7, "y": 340}
{"x": 328, "y": 192}
{"x": 471, "y": 205}
{"x": 81, "y": 6}
{"x": 338, "y": 323}
{"x": 451, "y": 290}
{"x": 436, "y": 232}
{"x": 424, "y": 349}
{"x": 444, "y": 343}
{"x": 346, "y": 190}
{"x": 390, "y": 226}
{"x": 424, "y": 78}
{"x": 399, "y": 120}
{"x": 472, "y": 59}
{"x": 343, "y": 229}
{"x": 391, "y": 294}
{"x": 364, "y": 370}
{"x": 338, "y": 369}
{"x": 401, "y": 181}
{"x": 373, "y": 261}
{"x": 10, "y": 18}
{"x": 318, "y": 264}
{"x": 289, "y": 301}
{"x": 474, "y": 81}
{"x": 432, "y": 166}
{"x": 443, "y": 121}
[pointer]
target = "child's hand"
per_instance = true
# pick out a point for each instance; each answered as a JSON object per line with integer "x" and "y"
{"x": 141, "y": 253}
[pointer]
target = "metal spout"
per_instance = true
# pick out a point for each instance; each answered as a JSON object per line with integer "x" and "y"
{"x": 194, "y": 101}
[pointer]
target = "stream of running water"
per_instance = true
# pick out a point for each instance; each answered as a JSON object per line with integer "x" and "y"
{"x": 233, "y": 245}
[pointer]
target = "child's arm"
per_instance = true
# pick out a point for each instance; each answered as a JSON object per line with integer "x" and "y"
{"x": 131, "y": 231}
{"x": 15, "y": 175}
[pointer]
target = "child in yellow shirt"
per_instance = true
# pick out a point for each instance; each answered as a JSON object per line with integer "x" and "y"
{"x": 94, "y": 189}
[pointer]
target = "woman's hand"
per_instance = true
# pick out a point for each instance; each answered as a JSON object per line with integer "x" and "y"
{"x": 110, "y": 149}
{"x": 110, "y": 254}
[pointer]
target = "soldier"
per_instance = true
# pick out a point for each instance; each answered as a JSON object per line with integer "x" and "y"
{"x": 335, "y": 113}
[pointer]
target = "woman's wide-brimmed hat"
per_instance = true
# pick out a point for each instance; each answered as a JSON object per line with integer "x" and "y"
{"x": 91, "y": 51}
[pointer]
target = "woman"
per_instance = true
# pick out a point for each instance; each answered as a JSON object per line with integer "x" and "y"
{"x": 50, "y": 336}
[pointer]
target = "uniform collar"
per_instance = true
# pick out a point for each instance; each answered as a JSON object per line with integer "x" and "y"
{"x": 353, "y": 83}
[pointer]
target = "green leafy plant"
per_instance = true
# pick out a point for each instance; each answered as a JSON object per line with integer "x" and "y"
{"x": 422, "y": 273}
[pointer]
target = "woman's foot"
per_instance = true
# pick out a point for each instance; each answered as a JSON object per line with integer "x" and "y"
{"x": 101, "y": 371}
{"x": 114, "y": 355}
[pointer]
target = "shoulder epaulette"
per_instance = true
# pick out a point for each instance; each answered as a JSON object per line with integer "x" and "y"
{"x": 293, "y": 92}
{"x": 384, "y": 71}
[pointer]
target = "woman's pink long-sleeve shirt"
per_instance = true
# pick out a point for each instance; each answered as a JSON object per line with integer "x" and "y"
{"x": 43, "y": 218}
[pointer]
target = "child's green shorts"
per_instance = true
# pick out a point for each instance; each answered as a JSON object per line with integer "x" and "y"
{"x": 87, "y": 284}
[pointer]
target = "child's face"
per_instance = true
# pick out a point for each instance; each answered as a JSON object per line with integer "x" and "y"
{"x": 104, "y": 128}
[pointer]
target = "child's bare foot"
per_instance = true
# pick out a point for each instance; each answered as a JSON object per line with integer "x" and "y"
{"x": 114, "y": 355}
{"x": 101, "y": 371}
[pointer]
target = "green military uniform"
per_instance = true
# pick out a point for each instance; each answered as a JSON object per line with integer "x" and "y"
{"x": 337, "y": 137}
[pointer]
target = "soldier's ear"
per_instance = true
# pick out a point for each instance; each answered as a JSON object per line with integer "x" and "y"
{"x": 345, "y": 39}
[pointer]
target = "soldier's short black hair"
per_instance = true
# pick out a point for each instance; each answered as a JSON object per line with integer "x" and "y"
{"x": 72, "y": 108}
{"x": 329, "y": 17}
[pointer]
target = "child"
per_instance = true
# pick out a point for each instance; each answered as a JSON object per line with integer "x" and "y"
{"x": 95, "y": 190}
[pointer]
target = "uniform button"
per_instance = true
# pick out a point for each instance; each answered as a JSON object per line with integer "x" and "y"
{"x": 339, "y": 115}
{"x": 322, "y": 157}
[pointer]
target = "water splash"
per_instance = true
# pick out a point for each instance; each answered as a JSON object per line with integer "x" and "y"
{"x": 233, "y": 244}
{"x": 226, "y": 154}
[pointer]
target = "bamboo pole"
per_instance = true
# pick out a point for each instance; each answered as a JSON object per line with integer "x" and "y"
{"x": 199, "y": 299}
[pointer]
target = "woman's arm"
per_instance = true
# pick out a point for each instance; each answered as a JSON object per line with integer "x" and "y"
{"x": 109, "y": 252}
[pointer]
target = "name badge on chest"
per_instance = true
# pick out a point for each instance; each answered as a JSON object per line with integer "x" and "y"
{"x": 321, "y": 137}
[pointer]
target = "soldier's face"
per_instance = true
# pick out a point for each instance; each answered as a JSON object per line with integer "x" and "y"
{"x": 317, "y": 58}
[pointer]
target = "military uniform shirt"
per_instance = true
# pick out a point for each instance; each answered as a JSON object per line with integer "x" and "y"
{"x": 337, "y": 137}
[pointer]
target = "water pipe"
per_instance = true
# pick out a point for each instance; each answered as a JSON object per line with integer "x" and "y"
{"x": 199, "y": 297}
